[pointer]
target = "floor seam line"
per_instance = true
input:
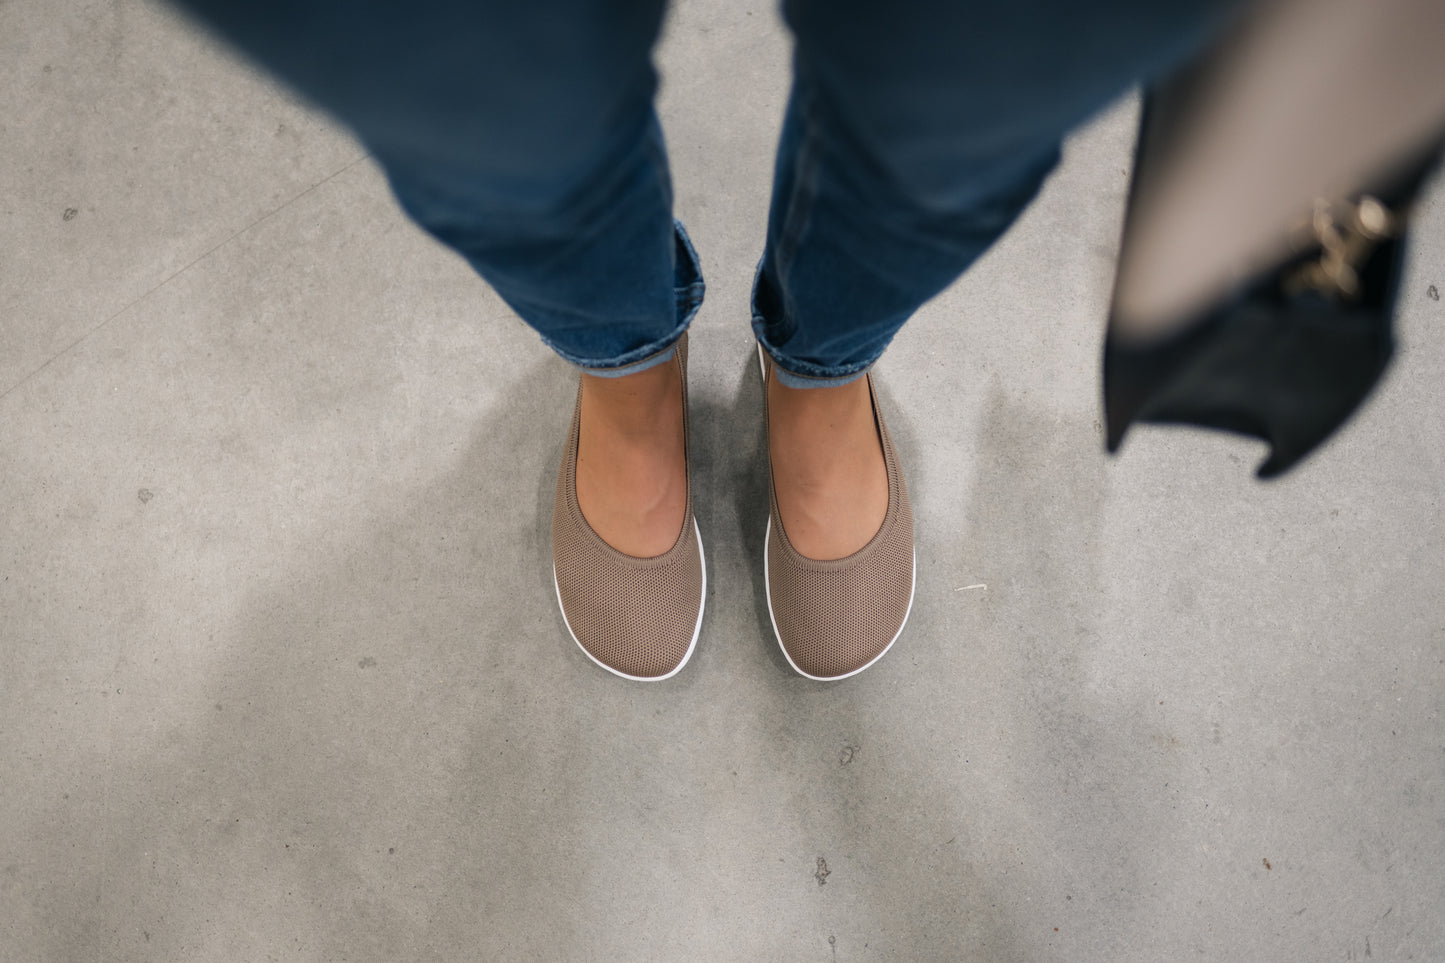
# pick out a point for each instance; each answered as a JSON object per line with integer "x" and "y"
{"x": 177, "y": 273}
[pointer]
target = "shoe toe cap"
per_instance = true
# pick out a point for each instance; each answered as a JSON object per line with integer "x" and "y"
{"x": 834, "y": 620}
{"x": 637, "y": 620}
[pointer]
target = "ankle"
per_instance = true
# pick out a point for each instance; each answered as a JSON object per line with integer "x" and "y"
{"x": 817, "y": 420}
{"x": 829, "y": 472}
{"x": 637, "y": 405}
{"x": 631, "y": 464}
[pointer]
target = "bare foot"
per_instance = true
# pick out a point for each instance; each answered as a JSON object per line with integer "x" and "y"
{"x": 631, "y": 468}
{"x": 828, "y": 469}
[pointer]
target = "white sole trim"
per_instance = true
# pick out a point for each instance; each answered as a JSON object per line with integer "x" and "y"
{"x": 696, "y": 629}
{"x": 768, "y": 587}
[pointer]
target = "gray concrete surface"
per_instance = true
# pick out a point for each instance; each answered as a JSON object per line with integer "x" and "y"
{"x": 281, "y": 675}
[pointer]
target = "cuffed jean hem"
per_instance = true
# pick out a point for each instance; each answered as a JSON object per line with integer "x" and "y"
{"x": 796, "y": 373}
{"x": 651, "y": 361}
{"x": 688, "y": 295}
{"x": 792, "y": 379}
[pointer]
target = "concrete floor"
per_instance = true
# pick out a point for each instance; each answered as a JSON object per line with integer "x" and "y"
{"x": 283, "y": 676}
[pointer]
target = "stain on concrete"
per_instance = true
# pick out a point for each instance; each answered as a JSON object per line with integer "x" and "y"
{"x": 69, "y": 214}
{"x": 1266, "y": 863}
{"x": 145, "y": 495}
{"x": 365, "y": 663}
{"x": 1167, "y": 741}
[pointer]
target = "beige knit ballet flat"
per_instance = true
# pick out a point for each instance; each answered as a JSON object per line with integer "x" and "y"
{"x": 835, "y": 618}
{"x": 638, "y": 618}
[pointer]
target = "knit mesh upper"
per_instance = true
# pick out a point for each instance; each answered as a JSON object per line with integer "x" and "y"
{"x": 833, "y": 618}
{"x": 637, "y": 616}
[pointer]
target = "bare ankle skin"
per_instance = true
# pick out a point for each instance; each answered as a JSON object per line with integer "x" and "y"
{"x": 631, "y": 467}
{"x": 828, "y": 469}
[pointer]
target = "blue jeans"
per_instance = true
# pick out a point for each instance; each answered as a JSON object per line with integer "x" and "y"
{"x": 523, "y": 135}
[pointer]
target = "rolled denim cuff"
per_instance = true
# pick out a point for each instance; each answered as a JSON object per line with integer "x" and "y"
{"x": 651, "y": 361}
{"x": 794, "y": 372}
{"x": 688, "y": 292}
{"x": 792, "y": 379}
